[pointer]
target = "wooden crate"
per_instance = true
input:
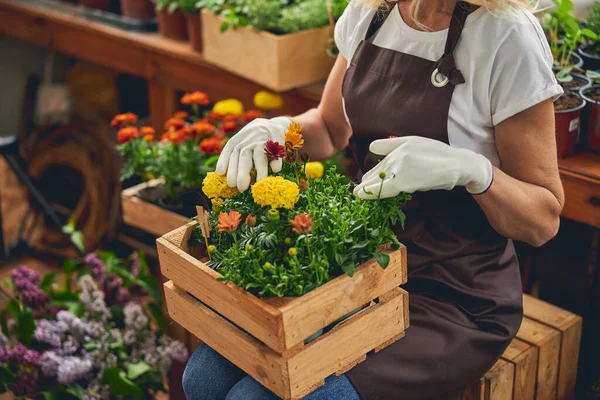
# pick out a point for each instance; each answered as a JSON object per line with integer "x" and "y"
{"x": 265, "y": 336}
{"x": 278, "y": 62}
{"x": 147, "y": 216}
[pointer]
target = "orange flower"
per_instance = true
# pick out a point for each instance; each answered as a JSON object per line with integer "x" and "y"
{"x": 250, "y": 220}
{"x": 147, "y": 130}
{"x": 228, "y": 222}
{"x": 293, "y": 137}
{"x": 230, "y": 117}
{"x": 174, "y": 123}
{"x": 212, "y": 145}
{"x": 251, "y": 115}
{"x": 302, "y": 223}
{"x": 123, "y": 119}
{"x": 148, "y": 138}
{"x": 303, "y": 184}
{"x": 126, "y": 134}
{"x": 196, "y": 98}
{"x": 229, "y": 126}
{"x": 213, "y": 117}
{"x": 203, "y": 127}
{"x": 181, "y": 115}
{"x": 176, "y": 137}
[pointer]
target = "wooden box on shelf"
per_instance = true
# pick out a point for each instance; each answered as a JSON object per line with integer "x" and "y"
{"x": 147, "y": 216}
{"x": 278, "y": 62}
{"x": 266, "y": 337}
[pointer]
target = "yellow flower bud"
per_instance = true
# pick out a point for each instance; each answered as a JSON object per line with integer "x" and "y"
{"x": 267, "y": 266}
{"x": 229, "y": 106}
{"x": 382, "y": 175}
{"x": 267, "y": 101}
{"x": 292, "y": 251}
{"x": 211, "y": 249}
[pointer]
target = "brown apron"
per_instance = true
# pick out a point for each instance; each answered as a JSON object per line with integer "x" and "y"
{"x": 464, "y": 282}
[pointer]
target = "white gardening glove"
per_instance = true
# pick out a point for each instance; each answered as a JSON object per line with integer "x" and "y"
{"x": 415, "y": 163}
{"x": 247, "y": 148}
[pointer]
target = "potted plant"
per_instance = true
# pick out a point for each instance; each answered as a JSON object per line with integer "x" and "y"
{"x": 567, "y": 115}
{"x": 233, "y": 30}
{"x": 194, "y": 25}
{"x": 284, "y": 261}
{"x": 98, "y": 4}
{"x": 591, "y": 95}
{"x": 93, "y": 339}
{"x": 171, "y": 21}
{"x": 138, "y": 9}
{"x": 590, "y": 52}
{"x": 572, "y": 81}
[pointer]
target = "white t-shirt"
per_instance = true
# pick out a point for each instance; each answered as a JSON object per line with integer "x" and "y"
{"x": 504, "y": 58}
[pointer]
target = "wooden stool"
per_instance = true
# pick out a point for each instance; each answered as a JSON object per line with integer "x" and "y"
{"x": 540, "y": 363}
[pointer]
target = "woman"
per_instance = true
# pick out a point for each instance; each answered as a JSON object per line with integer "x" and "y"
{"x": 453, "y": 101}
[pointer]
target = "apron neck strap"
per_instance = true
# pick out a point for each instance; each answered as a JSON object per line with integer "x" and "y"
{"x": 378, "y": 19}
{"x": 457, "y": 23}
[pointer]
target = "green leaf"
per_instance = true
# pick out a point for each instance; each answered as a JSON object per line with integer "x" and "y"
{"x": 349, "y": 268}
{"x": 76, "y": 390}
{"x": 119, "y": 384}
{"x": 589, "y": 33}
{"x": 25, "y": 326}
{"x": 6, "y": 375}
{"x": 48, "y": 281}
{"x": 593, "y": 75}
{"x": 158, "y": 315}
{"x": 150, "y": 284}
{"x": 77, "y": 239}
{"x": 382, "y": 259}
{"x": 68, "y": 229}
{"x": 49, "y": 396}
{"x": 360, "y": 245}
{"x": 224, "y": 26}
{"x": 136, "y": 370}
{"x": 4, "y": 322}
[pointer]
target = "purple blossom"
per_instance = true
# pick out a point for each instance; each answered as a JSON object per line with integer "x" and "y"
{"x": 72, "y": 369}
{"x": 27, "y": 288}
{"x": 50, "y": 362}
{"x": 50, "y": 332}
{"x": 115, "y": 290}
{"x": 93, "y": 299}
{"x": 135, "y": 265}
{"x": 135, "y": 317}
{"x": 22, "y": 355}
{"x": 24, "y": 276}
{"x": 97, "y": 267}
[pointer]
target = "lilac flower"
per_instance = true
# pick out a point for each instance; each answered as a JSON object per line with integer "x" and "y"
{"x": 93, "y": 299}
{"x": 50, "y": 362}
{"x": 24, "y": 276}
{"x": 50, "y": 332}
{"x": 4, "y": 355}
{"x": 24, "y": 363}
{"x": 72, "y": 369}
{"x": 26, "y": 282}
{"x": 135, "y": 264}
{"x": 97, "y": 267}
{"x": 135, "y": 317}
{"x": 171, "y": 350}
{"x": 3, "y": 340}
{"x": 115, "y": 290}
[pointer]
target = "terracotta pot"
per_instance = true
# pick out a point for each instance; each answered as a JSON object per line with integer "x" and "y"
{"x": 172, "y": 25}
{"x": 194, "y": 26}
{"x": 592, "y": 112}
{"x": 591, "y": 60}
{"x": 138, "y": 9}
{"x": 568, "y": 125}
{"x": 99, "y": 4}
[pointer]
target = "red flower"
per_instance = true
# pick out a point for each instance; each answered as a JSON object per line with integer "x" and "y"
{"x": 274, "y": 150}
{"x": 196, "y": 98}
{"x": 212, "y": 145}
{"x": 251, "y": 115}
{"x": 228, "y": 222}
{"x": 229, "y": 126}
{"x": 302, "y": 223}
{"x": 126, "y": 134}
{"x": 174, "y": 123}
{"x": 123, "y": 119}
{"x": 213, "y": 117}
{"x": 181, "y": 115}
{"x": 203, "y": 127}
{"x": 250, "y": 220}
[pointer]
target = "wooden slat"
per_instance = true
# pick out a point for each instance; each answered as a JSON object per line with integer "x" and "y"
{"x": 525, "y": 359}
{"x": 569, "y": 326}
{"x": 547, "y": 341}
{"x": 499, "y": 381}
{"x": 146, "y": 216}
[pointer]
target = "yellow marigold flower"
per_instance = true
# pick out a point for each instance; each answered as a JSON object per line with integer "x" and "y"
{"x": 293, "y": 137}
{"x": 314, "y": 170}
{"x": 267, "y": 101}
{"x": 292, "y": 251}
{"x": 217, "y": 203}
{"x": 267, "y": 266}
{"x": 275, "y": 191}
{"x": 229, "y": 106}
{"x": 215, "y": 185}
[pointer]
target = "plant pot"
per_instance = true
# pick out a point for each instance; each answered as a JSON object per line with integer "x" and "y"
{"x": 172, "y": 25}
{"x": 575, "y": 61}
{"x": 567, "y": 114}
{"x": 590, "y": 57}
{"x": 592, "y": 96}
{"x": 171, "y": 203}
{"x": 194, "y": 27}
{"x": 151, "y": 194}
{"x": 138, "y": 9}
{"x": 278, "y": 62}
{"x": 99, "y": 4}
{"x": 579, "y": 81}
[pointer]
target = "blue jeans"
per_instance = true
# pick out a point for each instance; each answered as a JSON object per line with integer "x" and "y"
{"x": 210, "y": 376}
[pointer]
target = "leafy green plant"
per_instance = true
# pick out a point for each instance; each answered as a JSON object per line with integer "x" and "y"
{"x": 170, "y": 5}
{"x": 189, "y": 6}
{"x": 593, "y": 22}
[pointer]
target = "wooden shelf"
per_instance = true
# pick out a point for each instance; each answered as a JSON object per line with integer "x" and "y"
{"x": 580, "y": 176}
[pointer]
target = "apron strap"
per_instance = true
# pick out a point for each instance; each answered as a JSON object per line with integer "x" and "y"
{"x": 446, "y": 64}
{"x": 378, "y": 19}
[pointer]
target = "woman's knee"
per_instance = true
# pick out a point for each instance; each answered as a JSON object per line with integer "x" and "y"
{"x": 208, "y": 375}
{"x": 249, "y": 389}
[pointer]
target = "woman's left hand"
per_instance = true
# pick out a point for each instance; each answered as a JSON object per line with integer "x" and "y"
{"x": 414, "y": 163}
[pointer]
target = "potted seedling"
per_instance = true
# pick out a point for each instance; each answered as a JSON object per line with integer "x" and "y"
{"x": 567, "y": 114}
{"x": 591, "y": 94}
{"x": 572, "y": 81}
{"x": 138, "y": 9}
{"x": 171, "y": 20}
{"x": 590, "y": 52}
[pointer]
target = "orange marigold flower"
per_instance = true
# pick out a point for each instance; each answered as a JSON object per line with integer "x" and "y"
{"x": 293, "y": 137}
{"x": 147, "y": 130}
{"x": 229, "y": 126}
{"x": 228, "y": 222}
{"x": 126, "y": 134}
{"x": 175, "y": 137}
{"x": 148, "y": 138}
{"x": 212, "y": 145}
{"x": 230, "y": 117}
{"x": 251, "y": 220}
{"x": 123, "y": 119}
{"x": 251, "y": 115}
{"x": 181, "y": 115}
{"x": 196, "y": 98}
{"x": 213, "y": 117}
{"x": 302, "y": 223}
{"x": 203, "y": 128}
{"x": 174, "y": 123}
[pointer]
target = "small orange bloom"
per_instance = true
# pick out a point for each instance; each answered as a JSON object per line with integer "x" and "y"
{"x": 213, "y": 117}
{"x": 181, "y": 115}
{"x": 251, "y": 220}
{"x": 229, "y": 126}
{"x": 212, "y": 145}
{"x": 230, "y": 117}
{"x": 228, "y": 222}
{"x": 123, "y": 119}
{"x": 176, "y": 137}
{"x": 126, "y": 134}
{"x": 196, "y": 98}
{"x": 203, "y": 128}
{"x": 147, "y": 130}
{"x": 302, "y": 223}
{"x": 148, "y": 138}
{"x": 251, "y": 115}
{"x": 174, "y": 123}
{"x": 293, "y": 137}
{"x": 303, "y": 184}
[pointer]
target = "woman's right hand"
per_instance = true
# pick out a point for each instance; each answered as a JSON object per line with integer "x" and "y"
{"x": 247, "y": 149}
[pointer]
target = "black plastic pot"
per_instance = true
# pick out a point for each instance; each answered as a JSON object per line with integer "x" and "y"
{"x": 151, "y": 194}
{"x": 576, "y": 59}
{"x": 171, "y": 203}
{"x": 592, "y": 117}
{"x": 579, "y": 82}
{"x": 590, "y": 60}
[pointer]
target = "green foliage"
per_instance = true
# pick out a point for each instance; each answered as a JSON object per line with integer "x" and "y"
{"x": 593, "y": 19}
{"x": 171, "y": 5}
{"x": 346, "y": 232}
{"x": 189, "y": 6}
{"x": 138, "y": 156}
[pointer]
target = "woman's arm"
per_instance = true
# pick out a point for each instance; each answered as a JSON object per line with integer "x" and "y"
{"x": 325, "y": 128}
{"x": 526, "y": 197}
